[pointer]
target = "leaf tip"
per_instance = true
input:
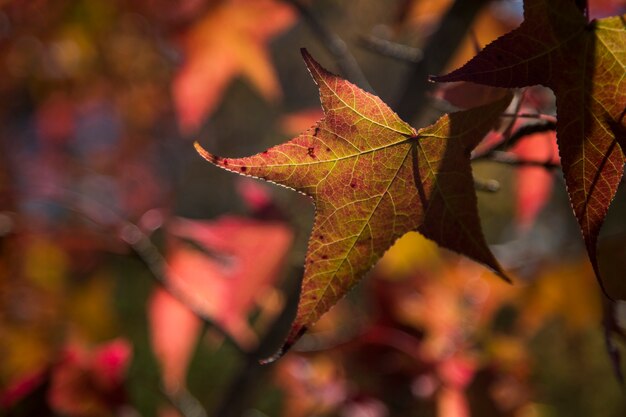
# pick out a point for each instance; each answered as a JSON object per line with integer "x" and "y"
{"x": 499, "y": 272}
{"x": 214, "y": 159}
{"x": 293, "y": 337}
{"x": 317, "y": 71}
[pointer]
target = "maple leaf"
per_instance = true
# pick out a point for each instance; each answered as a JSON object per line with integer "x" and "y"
{"x": 227, "y": 42}
{"x": 247, "y": 256}
{"x": 584, "y": 64}
{"x": 373, "y": 178}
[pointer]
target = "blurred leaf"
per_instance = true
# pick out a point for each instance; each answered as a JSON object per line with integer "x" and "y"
{"x": 90, "y": 382}
{"x": 534, "y": 184}
{"x": 232, "y": 266}
{"x": 229, "y": 40}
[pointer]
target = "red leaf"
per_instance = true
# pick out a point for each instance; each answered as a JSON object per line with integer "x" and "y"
{"x": 173, "y": 330}
{"x": 240, "y": 261}
{"x": 534, "y": 184}
{"x": 90, "y": 382}
{"x": 227, "y": 42}
{"x": 20, "y": 388}
{"x": 584, "y": 64}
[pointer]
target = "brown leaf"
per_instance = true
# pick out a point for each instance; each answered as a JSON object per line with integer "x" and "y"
{"x": 373, "y": 178}
{"x": 584, "y": 64}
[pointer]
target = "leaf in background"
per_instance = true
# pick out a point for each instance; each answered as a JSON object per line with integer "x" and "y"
{"x": 467, "y": 95}
{"x": 235, "y": 263}
{"x": 604, "y": 8}
{"x": 373, "y": 178}
{"x": 534, "y": 183}
{"x": 173, "y": 331}
{"x": 230, "y": 40}
{"x": 584, "y": 64}
{"x": 294, "y": 123}
{"x": 90, "y": 382}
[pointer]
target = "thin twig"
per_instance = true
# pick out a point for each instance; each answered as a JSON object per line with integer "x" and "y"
{"x": 509, "y": 158}
{"x": 187, "y": 404}
{"x": 390, "y": 49}
{"x": 546, "y": 117}
{"x": 335, "y": 45}
{"x": 487, "y": 186}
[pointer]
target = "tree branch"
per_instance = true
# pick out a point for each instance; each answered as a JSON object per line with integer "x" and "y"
{"x": 334, "y": 45}
{"x": 440, "y": 48}
{"x": 390, "y": 49}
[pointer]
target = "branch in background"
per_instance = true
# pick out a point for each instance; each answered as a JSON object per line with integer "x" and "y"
{"x": 335, "y": 45}
{"x": 186, "y": 404}
{"x": 514, "y": 138}
{"x": 509, "y": 158}
{"x": 143, "y": 246}
{"x": 156, "y": 263}
{"x": 487, "y": 186}
{"x": 390, "y": 49}
{"x": 541, "y": 116}
{"x": 440, "y": 48}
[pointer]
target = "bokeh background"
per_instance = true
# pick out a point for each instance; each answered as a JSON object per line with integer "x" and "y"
{"x": 138, "y": 280}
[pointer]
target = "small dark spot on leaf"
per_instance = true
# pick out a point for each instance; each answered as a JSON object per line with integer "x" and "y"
{"x": 311, "y": 152}
{"x": 264, "y": 152}
{"x": 243, "y": 169}
{"x": 225, "y": 162}
{"x": 321, "y": 237}
{"x": 353, "y": 184}
{"x": 324, "y": 256}
{"x": 327, "y": 149}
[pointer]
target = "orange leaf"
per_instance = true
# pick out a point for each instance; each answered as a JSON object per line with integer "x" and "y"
{"x": 239, "y": 262}
{"x": 230, "y": 40}
{"x": 373, "y": 178}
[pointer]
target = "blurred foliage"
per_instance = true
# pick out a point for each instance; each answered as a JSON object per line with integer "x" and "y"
{"x": 96, "y": 160}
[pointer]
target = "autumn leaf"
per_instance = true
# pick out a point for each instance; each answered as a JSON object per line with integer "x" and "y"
{"x": 584, "y": 64}
{"x": 373, "y": 178}
{"x": 230, "y": 40}
{"x": 90, "y": 382}
{"x": 534, "y": 183}
{"x": 222, "y": 267}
